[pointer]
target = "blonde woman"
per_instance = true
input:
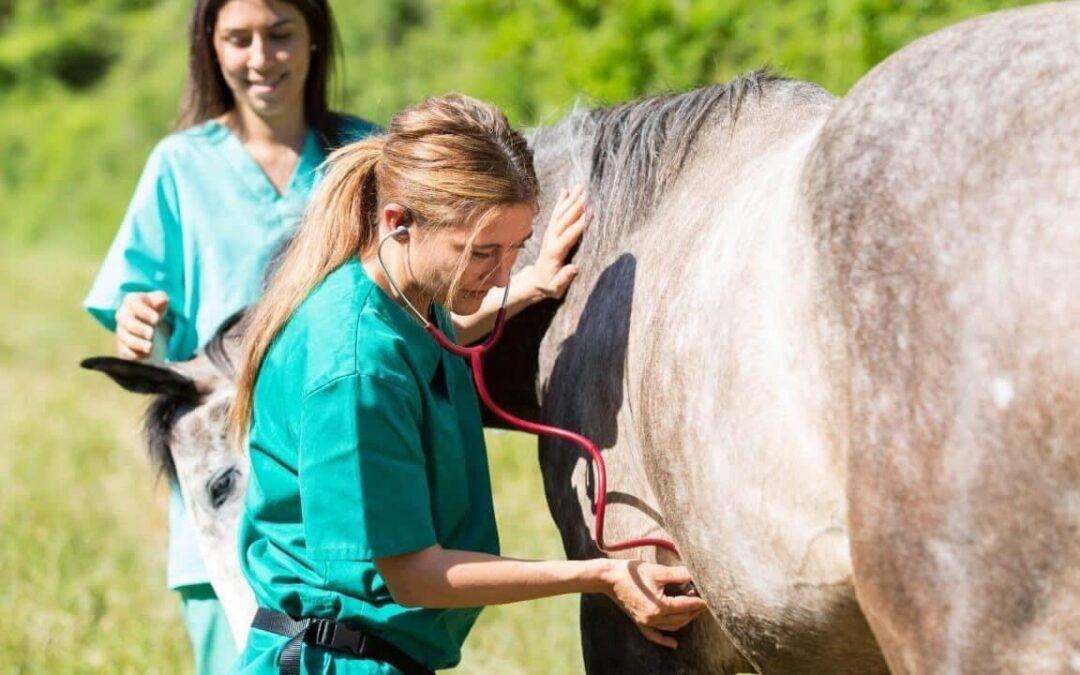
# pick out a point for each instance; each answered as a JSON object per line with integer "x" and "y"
{"x": 368, "y": 535}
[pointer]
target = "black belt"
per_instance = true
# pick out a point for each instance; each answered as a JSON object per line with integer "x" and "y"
{"x": 334, "y": 636}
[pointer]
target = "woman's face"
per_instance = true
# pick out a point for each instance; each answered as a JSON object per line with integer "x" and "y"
{"x": 264, "y": 50}
{"x": 435, "y": 255}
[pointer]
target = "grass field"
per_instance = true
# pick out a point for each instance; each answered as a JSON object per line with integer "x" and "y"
{"x": 83, "y": 524}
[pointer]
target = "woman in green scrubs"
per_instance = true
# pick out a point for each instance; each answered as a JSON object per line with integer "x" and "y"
{"x": 213, "y": 203}
{"x": 368, "y": 533}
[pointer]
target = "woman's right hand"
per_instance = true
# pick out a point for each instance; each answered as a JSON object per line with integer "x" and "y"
{"x": 139, "y": 313}
{"x": 638, "y": 588}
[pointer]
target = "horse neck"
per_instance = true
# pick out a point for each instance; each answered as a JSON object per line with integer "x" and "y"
{"x": 632, "y": 155}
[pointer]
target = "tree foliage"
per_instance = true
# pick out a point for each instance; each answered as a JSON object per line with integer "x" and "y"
{"x": 87, "y": 86}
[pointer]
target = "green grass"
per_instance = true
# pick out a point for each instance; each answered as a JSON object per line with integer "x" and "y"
{"x": 83, "y": 523}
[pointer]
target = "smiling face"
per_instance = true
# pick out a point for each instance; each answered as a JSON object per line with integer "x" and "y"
{"x": 434, "y": 257}
{"x": 263, "y": 48}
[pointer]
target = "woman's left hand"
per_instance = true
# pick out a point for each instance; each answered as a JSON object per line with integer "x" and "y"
{"x": 550, "y": 275}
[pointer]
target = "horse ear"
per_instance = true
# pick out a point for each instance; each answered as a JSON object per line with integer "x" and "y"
{"x": 142, "y": 377}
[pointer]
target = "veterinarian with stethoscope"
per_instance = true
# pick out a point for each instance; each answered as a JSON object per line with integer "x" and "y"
{"x": 368, "y": 534}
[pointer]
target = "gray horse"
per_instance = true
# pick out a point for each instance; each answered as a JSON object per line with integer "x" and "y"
{"x": 831, "y": 348}
{"x": 187, "y": 442}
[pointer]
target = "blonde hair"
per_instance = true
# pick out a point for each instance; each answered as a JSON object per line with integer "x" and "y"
{"x": 449, "y": 160}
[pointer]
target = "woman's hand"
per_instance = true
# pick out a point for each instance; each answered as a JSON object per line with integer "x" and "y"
{"x": 550, "y": 276}
{"x": 136, "y": 319}
{"x": 638, "y": 588}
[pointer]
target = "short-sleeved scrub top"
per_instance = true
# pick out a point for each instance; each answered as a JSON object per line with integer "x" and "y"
{"x": 366, "y": 441}
{"x": 202, "y": 225}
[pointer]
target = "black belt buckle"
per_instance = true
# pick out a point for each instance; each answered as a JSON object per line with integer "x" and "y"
{"x": 333, "y": 635}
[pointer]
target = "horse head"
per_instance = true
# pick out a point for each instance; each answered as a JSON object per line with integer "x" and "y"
{"x": 187, "y": 440}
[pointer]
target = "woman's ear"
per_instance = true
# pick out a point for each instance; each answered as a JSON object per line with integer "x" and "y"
{"x": 392, "y": 216}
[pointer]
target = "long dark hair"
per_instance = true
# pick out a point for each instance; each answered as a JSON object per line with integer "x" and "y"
{"x": 207, "y": 96}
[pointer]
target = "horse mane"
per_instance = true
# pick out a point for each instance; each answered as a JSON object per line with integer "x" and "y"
{"x": 217, "y": 348}
{"x": 639, "y": 148}
{"x": 161, "y": 415}
{"x": 165, "y": 409}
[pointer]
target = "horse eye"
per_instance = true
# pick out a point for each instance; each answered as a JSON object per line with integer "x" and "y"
{"x": 221, "y": 485}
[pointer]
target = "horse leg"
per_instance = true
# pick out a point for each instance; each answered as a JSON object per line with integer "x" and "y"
{"x": 610, "y": 641}
{"x": 612, "y": 644}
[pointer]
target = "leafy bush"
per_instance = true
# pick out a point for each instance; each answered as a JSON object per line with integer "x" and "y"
{"x": 88, "y": 86}
{"x": 74, "y": 48}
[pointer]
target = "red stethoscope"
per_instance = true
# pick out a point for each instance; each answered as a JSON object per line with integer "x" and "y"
{"x": 475, "y": 357}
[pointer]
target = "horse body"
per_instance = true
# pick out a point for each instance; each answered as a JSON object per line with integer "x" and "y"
{"x": 949, "y": 220}
{"x": 691, "y": 350}
{"x": 752, "y": 482}
{"x": 873, "y": 308}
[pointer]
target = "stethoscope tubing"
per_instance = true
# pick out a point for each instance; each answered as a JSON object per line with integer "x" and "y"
{"x": 475, "y": 356}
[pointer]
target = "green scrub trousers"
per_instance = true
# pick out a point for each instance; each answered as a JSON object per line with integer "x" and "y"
{"x": 211, "y": 640}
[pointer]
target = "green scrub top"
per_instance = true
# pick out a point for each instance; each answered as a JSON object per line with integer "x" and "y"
{"x": 201, "y": 226}
{"x": 366, "y": 441}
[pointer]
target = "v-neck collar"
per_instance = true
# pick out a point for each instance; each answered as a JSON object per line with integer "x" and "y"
{"x": 252, "y": 176}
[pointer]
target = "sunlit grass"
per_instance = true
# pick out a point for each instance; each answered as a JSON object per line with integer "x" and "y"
{"x": 81, "y": 520}
{"x": 83, "y": 523}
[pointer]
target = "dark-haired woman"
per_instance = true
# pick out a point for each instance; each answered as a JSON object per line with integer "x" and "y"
{"x": 214, "y": 201}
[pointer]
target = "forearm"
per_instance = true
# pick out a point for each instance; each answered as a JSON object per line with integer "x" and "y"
{"x": 472, "y": 327}
{"x": 438, "y": 578}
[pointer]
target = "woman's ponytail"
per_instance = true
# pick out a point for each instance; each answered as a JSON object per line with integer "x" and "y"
{"x": 340, "y": 223}
{"x": 450, "y": 161}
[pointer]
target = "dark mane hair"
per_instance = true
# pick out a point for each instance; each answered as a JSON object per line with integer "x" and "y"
{"x": 640, "y": 147}
{"x": 216, "y": 349}
{"x": 206, "y": 95}
{"x": 161, "y": 416}
{"x": 632, "y": 153}
{"x": 165, "y": 409}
